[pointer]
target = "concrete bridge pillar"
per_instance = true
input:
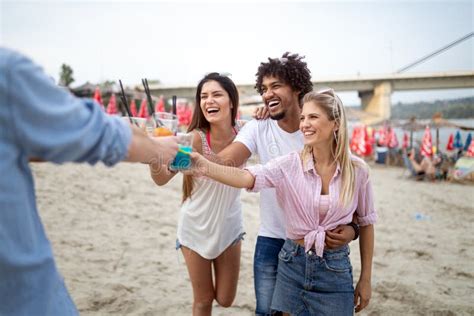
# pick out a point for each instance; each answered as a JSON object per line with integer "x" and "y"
{"x": 378, "y": 101}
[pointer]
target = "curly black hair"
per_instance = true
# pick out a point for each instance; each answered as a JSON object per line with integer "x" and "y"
{"x": 290, "y": 68}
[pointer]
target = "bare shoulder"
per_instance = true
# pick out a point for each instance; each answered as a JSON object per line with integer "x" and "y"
{"x": 197, "y": 141}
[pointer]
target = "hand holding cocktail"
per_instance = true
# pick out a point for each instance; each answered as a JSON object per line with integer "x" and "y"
{"x": 182, "y": 161}
{"x": 167, "y": 125}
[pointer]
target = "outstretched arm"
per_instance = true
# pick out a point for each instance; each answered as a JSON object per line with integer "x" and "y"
{"x": 236, "y": 154}
{"x": 363, "y": 290}
{"x": 151, "y": 150}
{"x": 231, "y": 176}
{"x": 161, "y": 174}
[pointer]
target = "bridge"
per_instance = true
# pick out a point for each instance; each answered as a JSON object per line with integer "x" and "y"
{"x": 374, "y": 91}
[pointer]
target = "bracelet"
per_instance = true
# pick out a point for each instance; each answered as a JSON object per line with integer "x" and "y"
{"x": 356, "y": 229}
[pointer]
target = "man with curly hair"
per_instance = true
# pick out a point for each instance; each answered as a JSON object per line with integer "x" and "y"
{"x": 282, "y": 83}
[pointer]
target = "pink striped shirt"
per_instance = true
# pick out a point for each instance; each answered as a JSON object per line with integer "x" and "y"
{"x": 298, "y": 190}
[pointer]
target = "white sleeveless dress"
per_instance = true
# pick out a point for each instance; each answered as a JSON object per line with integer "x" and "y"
{"x": 211, "y": 218}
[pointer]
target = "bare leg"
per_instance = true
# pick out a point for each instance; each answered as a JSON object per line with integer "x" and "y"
{"x": 416, "y": 166}
{"x": 227, "y": 267}
{"x": 200, "y": 273}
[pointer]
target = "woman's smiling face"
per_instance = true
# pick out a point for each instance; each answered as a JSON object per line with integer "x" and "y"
{"x": 315, "y": 125}
{"x": 215, "y": 102}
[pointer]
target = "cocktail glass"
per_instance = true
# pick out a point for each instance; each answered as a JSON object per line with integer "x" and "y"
{"x": 146, "y": 124}
{"x": 182, "y": 160}
{"x": 166, "y": 124}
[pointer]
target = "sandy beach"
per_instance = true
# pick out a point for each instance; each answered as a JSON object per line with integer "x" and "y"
{"x": 113, "y": 233}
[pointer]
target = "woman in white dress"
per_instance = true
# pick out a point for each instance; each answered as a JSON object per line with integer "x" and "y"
{"x": 210, "y": 226}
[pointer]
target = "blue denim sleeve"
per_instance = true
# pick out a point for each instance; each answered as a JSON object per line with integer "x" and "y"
{"x": 52, "y": 124}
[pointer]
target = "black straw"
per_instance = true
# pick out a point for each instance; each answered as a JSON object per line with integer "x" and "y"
{"x": 174, "y": 105}
{"x": 125, "y": 102}
{"x": 148, "y": 95}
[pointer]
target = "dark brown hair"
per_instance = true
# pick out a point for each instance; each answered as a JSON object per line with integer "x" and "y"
{"x": 199, "y": 121}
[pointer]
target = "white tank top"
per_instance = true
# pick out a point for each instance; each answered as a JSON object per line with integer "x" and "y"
{"x": 211, "y": 218}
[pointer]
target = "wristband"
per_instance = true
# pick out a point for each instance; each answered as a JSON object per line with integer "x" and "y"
{"x": 356, "y": 229}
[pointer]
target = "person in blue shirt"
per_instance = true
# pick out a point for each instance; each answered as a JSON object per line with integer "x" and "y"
{"x": 43, "y": 121}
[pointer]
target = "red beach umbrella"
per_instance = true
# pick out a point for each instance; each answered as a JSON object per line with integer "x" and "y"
{"x": 405, "y": 140}
{"x": 160, "y": 105}
{"x": 426, "y": 143}
{"x": 450, "y": 145}
{"x": 361, "y": 141}
{"x": 470, "y": 150}
{"x": 143, "y": 109}
{"x": 188, "y": 115}
{"x": 393, "y": 140}
{"x": 98, "y": 97}
{"x": 354, "y": 136}
{"x": 112, "y": 107}
{"x": 133, "y": 108}
{"x": 383, "y": 137}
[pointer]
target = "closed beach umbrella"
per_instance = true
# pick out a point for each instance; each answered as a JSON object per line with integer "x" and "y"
{"x": 468, "y": 141}
{"x": 450, "y": 145}
{"x": 393, "y": 140}
{"x": 160, "y": 105}
{"x": 143, "y": 109}
{"x": 98, "y": 97}
{"x": 361, "y": 141}
{"x": 112, "y": 107}
{"x": 457, "y": 140}
{"x": 427, "y": 144}
{"x": 383, "y": 137}
{"x": 133, "y": 108}
{"x": 405, "y": 140}
{"x": 470, "y": 149}
{"x": 354, "y": 135}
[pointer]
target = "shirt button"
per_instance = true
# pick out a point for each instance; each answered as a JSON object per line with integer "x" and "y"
{"x": 310, "y": 252}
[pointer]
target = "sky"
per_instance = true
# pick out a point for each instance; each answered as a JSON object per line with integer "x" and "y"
{"x": 179, "y": 42}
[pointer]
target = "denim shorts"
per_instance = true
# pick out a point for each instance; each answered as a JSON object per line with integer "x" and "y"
{"x": 236, "y": 240}
{"x": 310, "y": 285}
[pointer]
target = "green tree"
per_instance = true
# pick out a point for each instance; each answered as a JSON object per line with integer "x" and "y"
{"x": 65, "y": 76}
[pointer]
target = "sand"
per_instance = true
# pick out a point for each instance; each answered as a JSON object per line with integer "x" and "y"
{"x": 113, "y": 233}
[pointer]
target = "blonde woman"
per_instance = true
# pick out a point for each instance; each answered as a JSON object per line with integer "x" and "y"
{"x": 210, "y": 226}
{"x": 319, "y": 188}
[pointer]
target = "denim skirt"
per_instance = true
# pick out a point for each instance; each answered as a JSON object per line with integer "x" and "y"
{"x": 310, "y": 285}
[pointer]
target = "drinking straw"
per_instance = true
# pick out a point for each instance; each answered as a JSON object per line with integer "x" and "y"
{"x": 125, "y": 102}
{"x": 174, "y": 105}
{"x": 150, "y": 106}
{"x": 148, "y": 95}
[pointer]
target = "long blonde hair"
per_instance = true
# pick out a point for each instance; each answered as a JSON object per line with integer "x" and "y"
{"x": 334, "y": 109}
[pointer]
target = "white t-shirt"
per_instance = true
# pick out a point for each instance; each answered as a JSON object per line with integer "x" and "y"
{"x": 267, "y": 140}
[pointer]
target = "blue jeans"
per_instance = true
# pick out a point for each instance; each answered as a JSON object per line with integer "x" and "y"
{"x": 311, "y": 285}
{"x": 265, "y": 266}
